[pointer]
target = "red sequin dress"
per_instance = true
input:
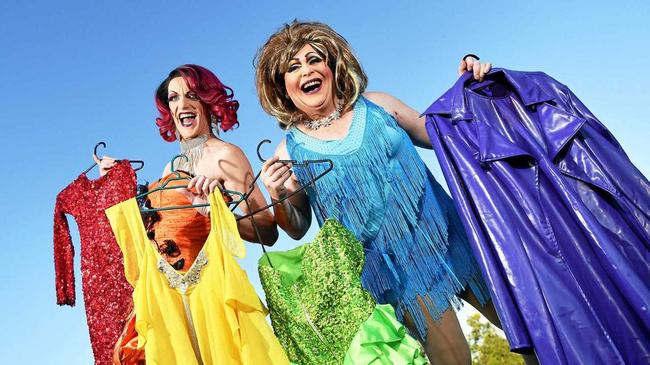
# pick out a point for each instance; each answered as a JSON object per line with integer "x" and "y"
{"x": 107, "y": 294}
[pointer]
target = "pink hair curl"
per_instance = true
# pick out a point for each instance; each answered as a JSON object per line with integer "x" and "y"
{"x": 213, "y": 94}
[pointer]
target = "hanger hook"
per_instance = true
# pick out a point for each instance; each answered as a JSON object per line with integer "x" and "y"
{"x": 173, "y": 169}
{"x": 96, "y": 147}
{"x": 259, "y": 145}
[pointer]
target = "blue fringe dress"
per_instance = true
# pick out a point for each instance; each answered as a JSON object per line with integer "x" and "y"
{"x": 380, "y": 189}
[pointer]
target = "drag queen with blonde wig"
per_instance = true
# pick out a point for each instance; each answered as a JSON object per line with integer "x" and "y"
{"x": 417, "y": 256}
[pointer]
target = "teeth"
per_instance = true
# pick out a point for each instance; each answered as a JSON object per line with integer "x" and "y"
{"x": 183, "y": 118}
{"x": 186, "y": 115}
{"x": 311, "y": 83}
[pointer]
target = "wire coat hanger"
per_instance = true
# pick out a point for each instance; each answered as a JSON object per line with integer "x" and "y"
{"x": 304, "y": 163}
{"x": 103, "y": 144}
{"x": 178, "y": 177}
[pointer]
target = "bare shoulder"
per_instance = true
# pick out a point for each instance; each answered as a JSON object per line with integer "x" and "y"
{"x": 167, "y": 170}
{"x": 281, "y": 150}
{"x": 378, "y": 96}
{"x": 223, "y": 160}
{"x": 390, "y": 103}
{"x": 222, "y": 150}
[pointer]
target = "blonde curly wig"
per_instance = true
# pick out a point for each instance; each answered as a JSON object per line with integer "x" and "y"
{"x": 272, "y": 61}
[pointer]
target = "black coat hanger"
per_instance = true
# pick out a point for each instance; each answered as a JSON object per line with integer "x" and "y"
{"x": 140, "y": 162}
{"x": 178, "y": 177}
{"x": 304, "y": 163}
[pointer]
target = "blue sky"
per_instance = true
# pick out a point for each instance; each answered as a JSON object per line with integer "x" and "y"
{"x": 77, "y": 72}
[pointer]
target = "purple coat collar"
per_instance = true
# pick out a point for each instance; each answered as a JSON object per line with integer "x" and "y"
{"x": 453, "y": 102}
{"x": 558, "y": 125}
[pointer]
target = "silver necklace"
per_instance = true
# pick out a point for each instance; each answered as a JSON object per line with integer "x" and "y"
{"x": 193, "y": 150}
{"x": 325, "y": 121}
{"x": 188, "y": 144}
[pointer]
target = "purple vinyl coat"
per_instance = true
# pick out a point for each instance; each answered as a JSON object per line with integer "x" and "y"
{"x": 557, "y": 215}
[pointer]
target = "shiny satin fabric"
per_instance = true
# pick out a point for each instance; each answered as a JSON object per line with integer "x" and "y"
{"x": 185, "y": 229}
{"x": 208, "y": 315}
{"x": 557, "y": 215}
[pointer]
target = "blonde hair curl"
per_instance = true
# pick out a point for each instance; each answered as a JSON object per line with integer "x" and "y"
{"x": 272, "y": 61}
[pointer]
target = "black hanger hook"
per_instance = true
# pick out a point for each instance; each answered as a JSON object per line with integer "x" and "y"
{"x": 103, "y": 144}
{"x": 259, "y": 145}
{"x": 259, "y": 155}
{"x": 94, "y": 154}
{"x": 173, "y": 169}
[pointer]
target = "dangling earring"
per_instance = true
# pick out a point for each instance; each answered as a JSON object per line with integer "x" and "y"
{"x": 214, "y": 125}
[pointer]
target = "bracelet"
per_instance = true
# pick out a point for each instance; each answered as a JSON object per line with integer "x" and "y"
{"x": 470, "y": 55}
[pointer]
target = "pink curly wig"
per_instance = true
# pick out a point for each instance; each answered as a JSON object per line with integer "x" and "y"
{"x": 214, "y": 95}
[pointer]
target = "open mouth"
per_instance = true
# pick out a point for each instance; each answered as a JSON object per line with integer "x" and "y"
{"x": 187, "y": 119}
{"x": 311, "y": 86}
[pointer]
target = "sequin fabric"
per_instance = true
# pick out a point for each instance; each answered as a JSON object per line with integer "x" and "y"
{"x": 182, "y": 282}
{"x": 107, "y": 294}
{"x": 316, "y": 316}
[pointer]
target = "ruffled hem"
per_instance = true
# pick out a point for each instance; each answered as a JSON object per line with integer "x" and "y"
{"x": 381, "y": 339}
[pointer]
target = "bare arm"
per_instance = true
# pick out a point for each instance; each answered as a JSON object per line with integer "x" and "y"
{"x": 294, "y": 214}
{"x": 408, "y": 118}
{"x": 238, "y": 176}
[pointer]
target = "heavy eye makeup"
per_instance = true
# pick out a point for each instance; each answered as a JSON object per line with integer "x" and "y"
{"x": 314, "y": 59}
{"x": 292, "y": 67}
{"x": 190, "y": 95}
{"x": 311, "y": 59}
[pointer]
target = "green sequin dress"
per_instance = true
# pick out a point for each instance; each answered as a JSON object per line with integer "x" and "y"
{"x": 321, "y": 313}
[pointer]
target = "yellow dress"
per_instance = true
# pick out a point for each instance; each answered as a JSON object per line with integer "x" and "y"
{"x": 207, "y": 315}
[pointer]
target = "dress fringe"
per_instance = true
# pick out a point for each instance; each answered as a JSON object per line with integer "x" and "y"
{"x": 381, "y": 190}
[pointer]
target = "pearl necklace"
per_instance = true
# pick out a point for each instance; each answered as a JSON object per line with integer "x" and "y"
{"x": 325, "y": 121}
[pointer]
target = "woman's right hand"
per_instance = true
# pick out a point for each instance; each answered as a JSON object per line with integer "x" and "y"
{"x": 473, "y": 65}
{"x": 274, "y": 176}
{"x": 105, "y": 164}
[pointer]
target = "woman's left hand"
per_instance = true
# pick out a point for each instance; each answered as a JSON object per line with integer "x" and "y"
{"x": 474, "y": 66}
{"x": 203, "y": 184}
{"x": 204, "y": 187}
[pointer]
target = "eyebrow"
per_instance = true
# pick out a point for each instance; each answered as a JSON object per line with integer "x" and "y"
{"x": 307, "y": 55}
